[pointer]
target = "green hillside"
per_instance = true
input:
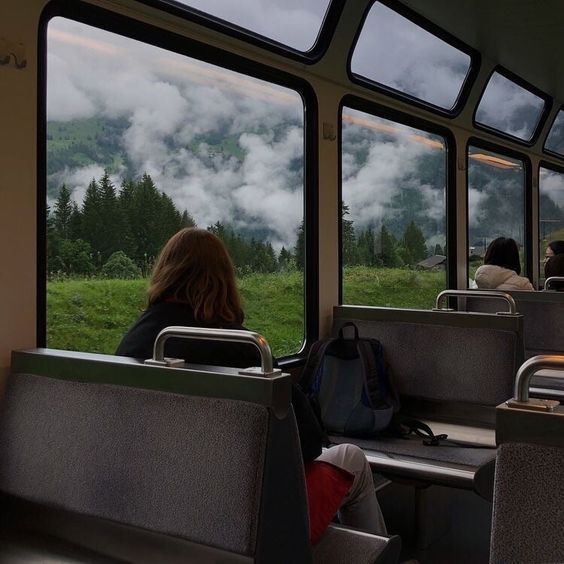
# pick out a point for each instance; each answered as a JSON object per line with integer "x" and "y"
{"x": 93, "y": 315}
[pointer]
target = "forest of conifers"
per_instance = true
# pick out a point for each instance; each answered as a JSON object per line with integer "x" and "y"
{"x": 117, "y": 233}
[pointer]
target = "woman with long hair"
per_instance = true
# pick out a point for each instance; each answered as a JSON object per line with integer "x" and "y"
{"x": 193, "y": 284}
{"x": 502, "y": 268}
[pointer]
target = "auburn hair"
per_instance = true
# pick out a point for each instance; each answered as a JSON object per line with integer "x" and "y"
{"x": 195, "y": 268}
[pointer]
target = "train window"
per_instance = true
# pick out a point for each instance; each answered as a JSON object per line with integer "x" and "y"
{"x": 291, "y": 22}
{"x": 393, "y": 213}
{"x": 509, "y": 108}
{"x": 496, "y": 202}
{"x": 141, "y": 142}
{"x": 551, "y": 210}
{"x": 555, "y": 139}
{"x": 395, "y": 52}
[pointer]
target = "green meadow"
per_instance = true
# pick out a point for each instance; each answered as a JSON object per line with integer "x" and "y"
{"x": 93, "y": 314}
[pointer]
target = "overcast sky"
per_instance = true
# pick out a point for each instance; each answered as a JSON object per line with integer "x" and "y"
{"x": 170, "y": 101}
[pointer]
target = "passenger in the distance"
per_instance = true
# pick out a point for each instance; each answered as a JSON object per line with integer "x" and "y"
{"x": 501, "y": 269}
{"x": 554, "y": 248}
{"x": 193, "y": 284}
{"x": 554, "y": 266}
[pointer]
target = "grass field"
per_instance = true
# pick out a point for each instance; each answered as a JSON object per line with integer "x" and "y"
{"x": 93, "y": 315}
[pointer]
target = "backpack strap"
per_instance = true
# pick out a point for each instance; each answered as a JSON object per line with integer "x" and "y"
{"x": 429, "y": 438}
{"x": 372, "y": 381}
{"x": 314, "y": 357}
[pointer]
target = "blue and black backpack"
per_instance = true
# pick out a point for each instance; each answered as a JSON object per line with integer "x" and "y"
{"x": 349, "y": 385}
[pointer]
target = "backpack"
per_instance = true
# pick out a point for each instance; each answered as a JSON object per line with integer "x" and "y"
{"x": 349, "y": 385}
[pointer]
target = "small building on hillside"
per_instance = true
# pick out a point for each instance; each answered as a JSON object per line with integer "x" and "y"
{"x": 436, "y": 262}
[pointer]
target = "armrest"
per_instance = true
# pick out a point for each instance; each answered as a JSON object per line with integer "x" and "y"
{"x": 342, "y": 545}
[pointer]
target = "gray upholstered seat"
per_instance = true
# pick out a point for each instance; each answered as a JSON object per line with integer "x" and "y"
{"x": 452, "y": 367}
{"x": 138, "y": 473}
{"x": 528, "y": 516}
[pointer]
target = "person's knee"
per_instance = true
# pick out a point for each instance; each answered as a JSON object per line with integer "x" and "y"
{"x": 354, "y": 456}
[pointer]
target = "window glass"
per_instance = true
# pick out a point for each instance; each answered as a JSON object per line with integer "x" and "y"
{"x": 551, "y": 221}
{"x": 394, "y": 213}
{"x": 142, "y": 142}
{"x": 509, "y": 108}
{"x": 397, "y": 53}
{"x": 496, "y": 203}
{"x": 292, "y": 22}
{"x": 555, "y": 139}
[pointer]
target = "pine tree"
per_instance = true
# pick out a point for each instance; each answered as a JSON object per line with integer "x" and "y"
{"x": 63, "y": 213}
{"x": 414, "y": 245}
{"x": 299, "y": 250}
{"x": 438, "y": 250}
{"x": 387, "y": 254}
{"x": 92, "y": 219}
{"x": 285, "y": 259}
{"x": 187, "y": 220}
{"x": 348, "y": 238}
{"x": 111, "y": 226}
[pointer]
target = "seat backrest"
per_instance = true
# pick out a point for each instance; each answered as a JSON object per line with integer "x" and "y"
{"x": 444, "y": 356}
{"x": 528, "y": 519}
{"x": 204, "y": 464}
{"x": 543, "y": 318}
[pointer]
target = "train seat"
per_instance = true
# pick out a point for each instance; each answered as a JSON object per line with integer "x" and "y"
{"x": 146, "y": 463}
{"x": 528, "y": 519}
{"x": 543, "y": 318}
{"x": 451, "y": 369}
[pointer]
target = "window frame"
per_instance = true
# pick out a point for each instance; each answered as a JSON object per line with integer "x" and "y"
{"x": 125, "y": 26}
{"x": 503, "y": 151}
{"x": 401, "y": 118}
{"x": 525, "y": 85}
{"x": 215, "y": 23}
{"x": 552, "y": 167}
{"x": 430, "y": 27}
{"x": 544, "y": 148}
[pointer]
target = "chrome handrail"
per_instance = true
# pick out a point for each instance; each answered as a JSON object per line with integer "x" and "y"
{"x": 551, "y": 279}
{"x": 478, "y": 294}
{"x": 210, "y": 334}
{"x": 529, "y": 368}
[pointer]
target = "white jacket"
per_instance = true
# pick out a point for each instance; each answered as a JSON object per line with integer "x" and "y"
{"x": 492, "y": 277}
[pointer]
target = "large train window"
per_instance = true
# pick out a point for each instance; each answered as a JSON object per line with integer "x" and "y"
{"x": 141, "y": 142}
{"x": 291, "y": 22}
{"x": 395, "y": 52}
{"x": 496, "y": 202}
{"x": 555, "y": 140}
{"x": 509, "y": 108}
{"x": 393, "y": 213}
{"x": 551, "y": 210}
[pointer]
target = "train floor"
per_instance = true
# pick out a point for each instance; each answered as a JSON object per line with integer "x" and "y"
{"x": 437, "y": 525}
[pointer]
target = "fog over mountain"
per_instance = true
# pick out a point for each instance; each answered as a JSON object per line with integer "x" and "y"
{"x": 230, "y": 148}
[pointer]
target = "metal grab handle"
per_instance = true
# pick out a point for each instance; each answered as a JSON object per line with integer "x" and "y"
{"x": 551, "y": 279}
{"x": 529, "y": 368}
{"x": 204, "y": 333}
{"x": 478, "y": 294}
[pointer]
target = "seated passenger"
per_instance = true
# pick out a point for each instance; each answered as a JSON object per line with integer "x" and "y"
{"x": 501, "y": 268}
{"x": 554, "y": 248}
{"x": 554, "y": 266}
{"x": 193, "y": 284}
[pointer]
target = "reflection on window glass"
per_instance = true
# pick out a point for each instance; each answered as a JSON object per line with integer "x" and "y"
{"x": 397, "y": 53}
{"x": 509, "y": 108}
{"x": 551, "y": 221}
{"x": 142, "y": 142}
{"x": 394, "y": 213}
{"x": 496, "y": 203}
{"x": 292, "y": 22}
{"x": 555, "y": 139}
